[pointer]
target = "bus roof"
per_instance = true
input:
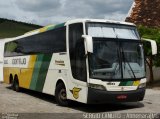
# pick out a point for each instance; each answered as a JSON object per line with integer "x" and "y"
{"x": 46, "y": 28}
{"x": 99, "y": 20}
{"x": 51, "y": 27}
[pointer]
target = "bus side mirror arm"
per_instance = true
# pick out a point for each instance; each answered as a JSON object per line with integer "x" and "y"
{"x": 89, "y": 43}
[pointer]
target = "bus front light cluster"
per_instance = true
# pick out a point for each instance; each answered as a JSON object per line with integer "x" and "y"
{"x": 96, "y": 86}
{"x": 142, "y": 85}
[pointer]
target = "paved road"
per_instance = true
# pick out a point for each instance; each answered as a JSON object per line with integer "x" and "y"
{"x": 33, "y": 102}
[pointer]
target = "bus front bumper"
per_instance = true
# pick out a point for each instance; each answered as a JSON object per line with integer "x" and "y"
{"x": 99, "y": 96}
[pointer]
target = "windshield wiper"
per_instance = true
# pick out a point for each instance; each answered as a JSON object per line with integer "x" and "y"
{"x": 126, "y": 61}
{"x": 119, "y": 61}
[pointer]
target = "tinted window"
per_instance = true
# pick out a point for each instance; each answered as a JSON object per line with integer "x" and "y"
{"x": 47, "y": 42}
{"x": 77, "y": 52}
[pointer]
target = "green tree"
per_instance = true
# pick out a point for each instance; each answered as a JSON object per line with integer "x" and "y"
{"x": 154, "y": 34}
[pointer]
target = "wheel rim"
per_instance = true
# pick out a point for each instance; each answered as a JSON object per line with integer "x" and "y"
{"x": 62, "y": 95}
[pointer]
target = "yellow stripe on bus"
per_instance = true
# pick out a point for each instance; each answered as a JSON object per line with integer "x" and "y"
{"x": 136, "y": 83}
{"x": 6, "y": 74}
{"x": 8, "y": 71}
{"x": 26, "y": 74}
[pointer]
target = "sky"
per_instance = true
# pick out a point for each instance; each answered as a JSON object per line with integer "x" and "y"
{"x": 45, "y": 12}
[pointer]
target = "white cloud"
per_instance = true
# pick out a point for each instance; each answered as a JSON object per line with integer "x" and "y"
{"x": 45, "y": 12}
{"x": 37, "y": 5}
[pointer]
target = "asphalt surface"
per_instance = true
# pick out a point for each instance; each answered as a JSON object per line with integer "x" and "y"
{"x": 27, "y": 101}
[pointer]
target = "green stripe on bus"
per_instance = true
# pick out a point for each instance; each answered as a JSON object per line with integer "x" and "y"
{"x": 43, "y": 72}
{"x": 56, "y": 26}
{"x": 36, "y": 71}
{"x": 129, "y": 83}
{"x": 126, "y": 83}
{"x": 122, "y": 83}
{"x": 59, "y": 25}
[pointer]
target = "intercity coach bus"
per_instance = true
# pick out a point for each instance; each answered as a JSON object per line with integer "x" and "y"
{"x": 84, "y": 60}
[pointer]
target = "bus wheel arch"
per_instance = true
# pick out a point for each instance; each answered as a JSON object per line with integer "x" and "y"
{"x": 16, "y": 83}
{"x": 60, "y": 93}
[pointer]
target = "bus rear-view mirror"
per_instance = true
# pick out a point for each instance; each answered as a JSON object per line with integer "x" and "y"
{"x": 150, "y": 47}
{"x": 89, "y": 43}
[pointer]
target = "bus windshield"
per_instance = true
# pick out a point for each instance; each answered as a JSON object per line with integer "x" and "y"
{"x": 112, "y": 31}
{"x": 116, "y": 57}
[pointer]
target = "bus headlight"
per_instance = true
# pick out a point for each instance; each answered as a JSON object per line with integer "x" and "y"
{"x": 96, "y": 86}
{"x": 142, "y": 85}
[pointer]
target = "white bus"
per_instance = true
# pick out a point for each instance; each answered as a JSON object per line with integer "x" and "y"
{"x": 1, "y": 59}
{"x": 2, "y": 43}
{"x": 84, "y": 60}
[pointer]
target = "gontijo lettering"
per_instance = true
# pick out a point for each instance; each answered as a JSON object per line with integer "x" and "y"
{"x": 19, "y": 61}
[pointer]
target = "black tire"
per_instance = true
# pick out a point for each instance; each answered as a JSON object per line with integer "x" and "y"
{"x": 12, "y": 84}
{"x": 11, "y": 81}
{"x": 60, "y": 95}
{"x": 16, "y": 86}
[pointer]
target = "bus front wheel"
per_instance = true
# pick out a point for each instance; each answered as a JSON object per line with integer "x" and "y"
{"x": 61, "y": 95}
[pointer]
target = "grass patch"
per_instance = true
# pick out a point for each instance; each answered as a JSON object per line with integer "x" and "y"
{"x": 10, "y": 28}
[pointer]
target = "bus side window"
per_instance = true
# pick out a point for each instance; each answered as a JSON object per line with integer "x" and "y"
{"x": 9, "y": 49}
{"x": 77, "y": 52}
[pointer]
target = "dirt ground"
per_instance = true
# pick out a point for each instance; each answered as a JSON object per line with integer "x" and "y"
{"x": 41, "y": 104}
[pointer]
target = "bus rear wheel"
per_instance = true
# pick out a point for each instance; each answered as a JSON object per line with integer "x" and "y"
{"x": 61, "y": 95}
{"x": 12, "y": 84}
{"x": 16, "y": 85}
{"x": 11, "y": 80}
